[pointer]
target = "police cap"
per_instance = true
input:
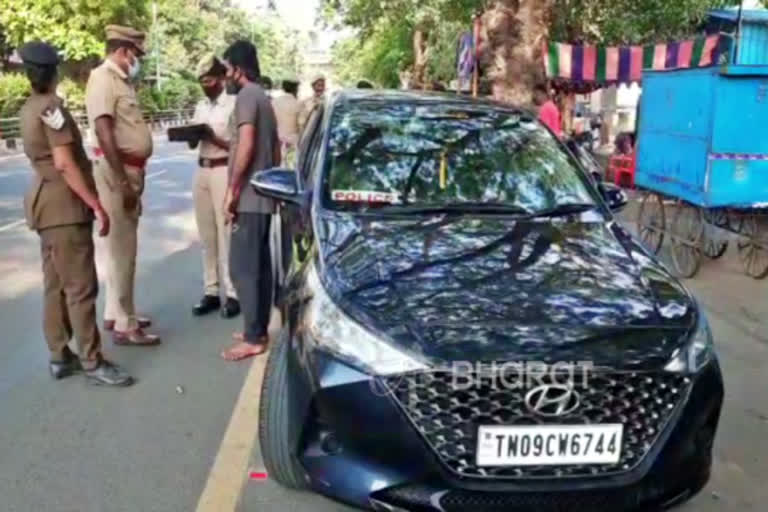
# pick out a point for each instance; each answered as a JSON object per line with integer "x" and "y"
{"x": 128, "y": 34}
{"x": 39, "y": 53}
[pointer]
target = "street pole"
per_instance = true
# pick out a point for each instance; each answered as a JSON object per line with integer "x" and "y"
{"x": 156, "y": 44}
{"x": 738, "y": 33}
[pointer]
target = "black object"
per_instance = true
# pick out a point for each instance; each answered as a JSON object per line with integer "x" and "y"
{"x": 208, "y": 304}
{"x": 42, "y": 54}
{"x": 62, "y": 369}
{"x": 231, "y": 308}
{"x": 189, "y": 133}
{"x": 409, "y": 326}
{"x": 108, "y": 374}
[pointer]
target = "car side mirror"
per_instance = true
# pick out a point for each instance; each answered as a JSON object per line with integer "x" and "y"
{"x": 279, "y": 184}
{"x": 615, "y": 197}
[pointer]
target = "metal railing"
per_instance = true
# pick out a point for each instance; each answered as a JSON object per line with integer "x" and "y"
{"x": 10, "y": 127}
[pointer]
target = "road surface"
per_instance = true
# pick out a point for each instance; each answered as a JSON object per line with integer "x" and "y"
{"x": 183, "y": 438}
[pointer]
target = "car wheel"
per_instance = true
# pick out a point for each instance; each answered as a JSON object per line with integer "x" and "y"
{"x": 275, "y": 418}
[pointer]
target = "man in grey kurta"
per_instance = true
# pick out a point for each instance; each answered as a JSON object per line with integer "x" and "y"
{"x": 255, "y": 147}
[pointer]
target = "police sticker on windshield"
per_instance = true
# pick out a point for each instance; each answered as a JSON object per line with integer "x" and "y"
{"x": 365, "y": 196}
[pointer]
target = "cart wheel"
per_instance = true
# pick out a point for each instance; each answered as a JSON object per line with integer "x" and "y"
{"x": 651, "y": 222}
{"x": 714, "y": 245}
{"x": 752, "y": 245}
{"x": 687, "y": 235}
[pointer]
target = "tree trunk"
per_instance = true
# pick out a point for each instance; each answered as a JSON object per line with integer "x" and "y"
{"x": 512, "y": 35}
{"x": 420, "y": 58}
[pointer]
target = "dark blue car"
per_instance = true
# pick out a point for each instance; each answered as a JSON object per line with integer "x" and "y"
{"x": 467, "y": 327}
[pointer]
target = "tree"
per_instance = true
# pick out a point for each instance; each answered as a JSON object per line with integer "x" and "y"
{"x": 76, "y": 27}
{"x": 388, "y": 20}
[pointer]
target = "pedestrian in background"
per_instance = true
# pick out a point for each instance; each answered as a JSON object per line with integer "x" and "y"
{"x": 210, "y": 189}
{"x": 548, "y": 111}
{"x": 123, "y": 146}
{"x": 60, "y": 205}
{"x": 255, "y": 147}
{"x": 286, "y": 107}
{"x": 309, "y": 104}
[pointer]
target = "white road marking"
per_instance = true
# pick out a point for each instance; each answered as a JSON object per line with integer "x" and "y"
{"x": 12, "y": 225}
{"x": 21, "y": 222}
{"x": 155, "y": 174}
{"x": 229, "y": 471}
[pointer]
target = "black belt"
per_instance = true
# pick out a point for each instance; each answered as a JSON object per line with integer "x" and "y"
{"x": 213, "y": 162}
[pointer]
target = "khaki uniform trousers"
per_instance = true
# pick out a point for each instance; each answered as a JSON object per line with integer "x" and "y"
{"x": 70, "y": 288}
{"x": 121, "y": 245}
{"x": 209, "y": 193}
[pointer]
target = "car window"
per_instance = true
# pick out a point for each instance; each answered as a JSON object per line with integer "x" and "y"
{"x": 431, "y": 154}
{"x": 310, "y": 144}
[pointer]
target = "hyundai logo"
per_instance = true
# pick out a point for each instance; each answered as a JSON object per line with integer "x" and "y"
{"x": 552, "y": 400}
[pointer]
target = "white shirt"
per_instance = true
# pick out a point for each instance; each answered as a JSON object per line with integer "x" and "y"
{"x": 215, "y": 113}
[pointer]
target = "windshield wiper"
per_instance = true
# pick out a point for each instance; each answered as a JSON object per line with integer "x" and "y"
{"x": 456, "y": 208}
{"x": 564, "y": 209}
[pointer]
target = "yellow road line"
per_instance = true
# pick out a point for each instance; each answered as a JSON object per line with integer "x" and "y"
{"x": 230, "y": 469}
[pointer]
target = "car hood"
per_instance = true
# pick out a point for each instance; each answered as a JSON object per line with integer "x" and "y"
{"x": 462, "y": 288}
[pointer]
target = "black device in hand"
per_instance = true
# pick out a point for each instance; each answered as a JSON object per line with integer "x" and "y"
{"x": 191, "y": 133}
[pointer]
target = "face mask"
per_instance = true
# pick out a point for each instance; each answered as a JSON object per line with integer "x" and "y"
{"x": 232, "y": 86}
{"x": 133, "y": 71}
{"x": 213, "y": 92}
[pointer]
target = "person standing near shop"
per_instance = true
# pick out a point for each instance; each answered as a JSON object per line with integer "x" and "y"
{"x": 549, "y": 114}
{"x": 123, "y": 146}
{"x": 255, "y": 147}
{"x": 61, "y": 205}
{"x": 309, "y": 104}
{"x": 210, "y": 190}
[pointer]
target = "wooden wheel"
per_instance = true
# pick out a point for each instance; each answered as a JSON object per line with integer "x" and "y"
{"x": 687, "y": 234}
{"x": 752, "y": 245}
{"x": 714, "y": 243}
{"x": 651, "y": 222}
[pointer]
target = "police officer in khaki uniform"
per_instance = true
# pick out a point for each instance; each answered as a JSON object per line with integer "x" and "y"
{"x": 210, "y": 189}
{"x": 309, "y": 104}
{"x": 122, "y": 146}
{"x": 60, "y": 206}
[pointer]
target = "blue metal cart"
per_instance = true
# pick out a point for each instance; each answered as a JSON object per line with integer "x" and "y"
{"x": 702, "y": 161}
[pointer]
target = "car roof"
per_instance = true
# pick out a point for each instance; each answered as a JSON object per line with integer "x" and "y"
{"x": 419, "y": 97}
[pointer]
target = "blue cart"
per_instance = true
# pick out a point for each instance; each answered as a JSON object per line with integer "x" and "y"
{"x": 702, "y": 162}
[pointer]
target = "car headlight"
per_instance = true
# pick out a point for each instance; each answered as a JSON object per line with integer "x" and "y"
{"x": 697, "y": 353}
{"x": 332, "y": 330}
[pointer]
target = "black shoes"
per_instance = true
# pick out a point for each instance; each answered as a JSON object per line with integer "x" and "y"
{"x": 231, "y": 308}
{"x": 62, "y": 369}
{"x": 108, "y": 374}
{"x": 208, "y": 304}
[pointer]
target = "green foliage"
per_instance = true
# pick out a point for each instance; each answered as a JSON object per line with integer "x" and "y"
{"x": 14, "y": 89}
{"x": 176, "y": 93}
{"x": 73, "y": 94}
{"x": 76, "y": 27}
{"x": 379, "y": 58}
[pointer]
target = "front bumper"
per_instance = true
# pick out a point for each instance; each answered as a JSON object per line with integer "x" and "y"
{"x": 358, "y": 447}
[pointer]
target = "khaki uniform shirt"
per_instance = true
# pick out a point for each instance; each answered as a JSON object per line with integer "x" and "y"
{"x": 216, "y": 114}
{"x": 110, "y": 93}
{"x": 307, "y": 106}
{"x": 49, "y": 202}
{"x": 287, "y": 113}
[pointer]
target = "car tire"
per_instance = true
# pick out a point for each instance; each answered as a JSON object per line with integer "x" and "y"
{"x": 275, "y": 418}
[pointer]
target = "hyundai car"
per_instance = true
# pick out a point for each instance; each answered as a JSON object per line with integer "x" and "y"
{"x": 467, "y": 326}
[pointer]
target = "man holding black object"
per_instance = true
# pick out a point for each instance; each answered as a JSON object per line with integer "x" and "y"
{"x": 210, "y": 189}
{"x": 255, "y": 147}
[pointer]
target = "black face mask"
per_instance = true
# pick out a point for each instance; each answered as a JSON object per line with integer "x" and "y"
{"x": 213, "y": 92}
{"x": 233, "y": 87}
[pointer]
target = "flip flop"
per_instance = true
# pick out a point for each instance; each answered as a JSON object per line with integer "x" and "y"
{"x": 228, "y": 355}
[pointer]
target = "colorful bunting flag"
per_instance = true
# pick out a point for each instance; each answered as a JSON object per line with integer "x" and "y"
{"x": 586, "y": 63}
{"x": 466, "y": 56}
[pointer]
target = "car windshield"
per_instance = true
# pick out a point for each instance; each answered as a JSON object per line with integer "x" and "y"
{"x": 399, "y": 156}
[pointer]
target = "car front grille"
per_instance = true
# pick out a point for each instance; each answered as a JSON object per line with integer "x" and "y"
{"x": 448, "y": 416}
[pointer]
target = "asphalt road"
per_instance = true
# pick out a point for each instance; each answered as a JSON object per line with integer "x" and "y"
{"x": 65, "y": 447}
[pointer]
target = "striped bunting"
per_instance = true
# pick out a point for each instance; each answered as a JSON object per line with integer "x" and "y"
{"x": 586, "y": 63}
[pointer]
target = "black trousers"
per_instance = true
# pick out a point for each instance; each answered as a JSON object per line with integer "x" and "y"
{"x": 250, "y": 268}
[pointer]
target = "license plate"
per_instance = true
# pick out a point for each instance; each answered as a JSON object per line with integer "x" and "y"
{"x": 548, "y": 445}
